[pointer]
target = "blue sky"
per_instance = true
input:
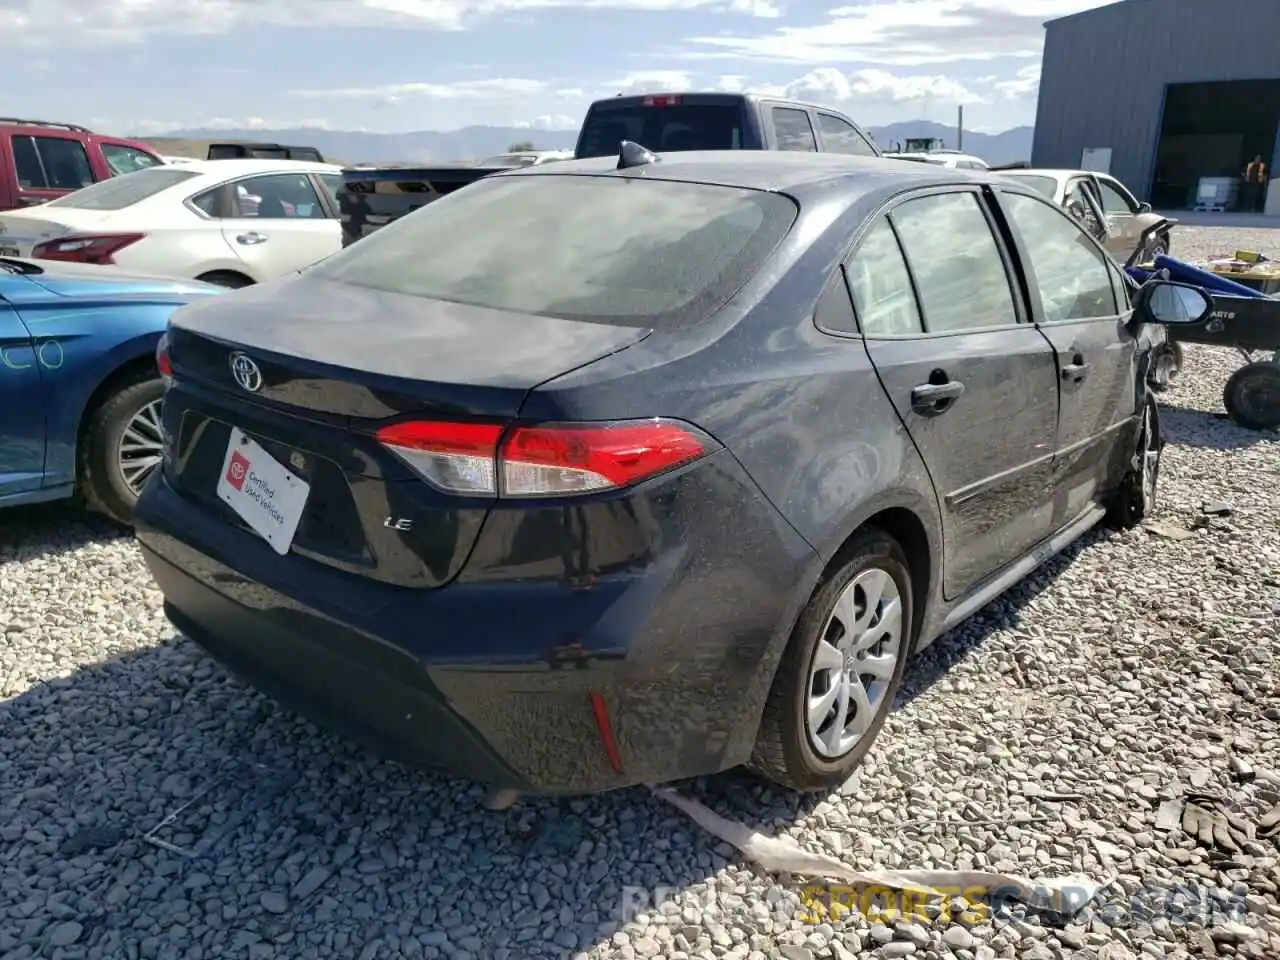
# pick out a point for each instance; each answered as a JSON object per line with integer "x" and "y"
{"x": 148, "y": 66}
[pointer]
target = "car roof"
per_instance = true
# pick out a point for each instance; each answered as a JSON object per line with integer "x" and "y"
{"x": 248, "y": 166}
{"x": 745, "y": 96}
{"x": 774, "y": 170}
{"x": 1056, "y": 173}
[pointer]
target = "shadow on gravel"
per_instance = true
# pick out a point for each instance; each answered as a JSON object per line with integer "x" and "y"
{"x": 323, "y": 849}
{"x": 1188, "y": 427}
{"x": 50, "y": 529}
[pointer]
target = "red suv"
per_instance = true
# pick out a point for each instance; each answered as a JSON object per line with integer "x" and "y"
{"x": 42, "y": 161}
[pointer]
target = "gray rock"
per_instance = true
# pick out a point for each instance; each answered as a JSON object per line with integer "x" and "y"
{"x": 65, "y": 934}
{"x": 274, "y": 902}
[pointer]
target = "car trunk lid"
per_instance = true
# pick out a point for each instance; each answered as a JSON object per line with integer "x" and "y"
{"x": 335, "y": 362}
{"x": 20, "y": 232}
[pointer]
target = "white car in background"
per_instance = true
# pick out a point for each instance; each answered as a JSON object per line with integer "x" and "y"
{"x": 525, "y": 158}
{"x": 951, "y": 159}
{"x": 230, "y": 222}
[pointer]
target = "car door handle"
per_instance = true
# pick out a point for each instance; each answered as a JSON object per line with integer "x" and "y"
{"x": 931, "y": 399}
{"x": 249, "y": 239}
{"x": 1075, "y": 371}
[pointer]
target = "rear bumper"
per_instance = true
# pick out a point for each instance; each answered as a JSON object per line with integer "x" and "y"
{"x": 492, "y": 678}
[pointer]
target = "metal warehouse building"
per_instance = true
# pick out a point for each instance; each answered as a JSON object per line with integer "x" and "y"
{"x": 1173, "y": 97}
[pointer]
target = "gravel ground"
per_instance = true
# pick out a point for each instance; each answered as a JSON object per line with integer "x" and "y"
{"x": 1126, "y": 672}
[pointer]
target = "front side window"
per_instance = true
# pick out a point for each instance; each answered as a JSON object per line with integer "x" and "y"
{"x": 116, "y": 193}
{"x": 121, "y": 159}
{"x": 881, "y": 285}
{"x": 958, "y": 269}
{"x": 794, "y": 130}
{"x": 1071, "y": 274}
{"x": 1114, "y": 201}
{"x": 647, "y": 252}
{"x": 332, "y": 183}
{"x": 840, "y": 136}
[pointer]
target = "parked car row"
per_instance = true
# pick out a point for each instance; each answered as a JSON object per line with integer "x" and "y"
{"x": 731, "y": 432}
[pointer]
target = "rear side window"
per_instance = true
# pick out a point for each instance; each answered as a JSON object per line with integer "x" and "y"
{"x": 956, "y": 263}
{"x": 881, "y": 285}
{"x": 673, "y": 128}
{"x": 51, "y": 163}
{"x": 123, "y": 191}
{"x": 66, "y": 164}
{"x": 632, "y": 251}
{"x": 27, "y": 161}
{"x": 794, "y": 130}
{"x": 840, "y": 136}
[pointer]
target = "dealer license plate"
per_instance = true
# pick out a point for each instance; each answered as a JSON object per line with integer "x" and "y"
{"x": 8, "y": 251}
{"x": 266, "y": 496}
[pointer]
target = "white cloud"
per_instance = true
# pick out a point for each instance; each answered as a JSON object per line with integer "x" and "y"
{"x": 159, "y": 128}
{"x": 1024, "y": 85}
{"x": 89, "y": 23}
{"x": 551, "y": 121}
{"x": 651, "y": 81}
{"x": 497, "y": 88}
{"x": 902, "y": 33}
{"x": 822, "y": 85}
{"x": 829, "y": 85}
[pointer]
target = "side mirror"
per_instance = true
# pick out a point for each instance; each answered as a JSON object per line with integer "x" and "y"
{"x": 1162, "y": 301}
{"x": 1144, "y": 207}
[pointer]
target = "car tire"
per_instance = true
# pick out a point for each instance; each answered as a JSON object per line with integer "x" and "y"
{"x": 226, "y": 278}
{"x": 785, "y": 750}
{"x": 110, "y": 444}
{"x": 1135, "y": 499}
{"x": 1252, "y": 395}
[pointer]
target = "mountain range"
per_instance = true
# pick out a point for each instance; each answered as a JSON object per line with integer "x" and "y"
{"x": 478, "y": 142}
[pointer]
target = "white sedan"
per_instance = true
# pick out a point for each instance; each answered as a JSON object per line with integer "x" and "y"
{"x": 230, "y": 222}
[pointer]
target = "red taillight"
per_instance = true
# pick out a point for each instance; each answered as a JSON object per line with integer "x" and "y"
{"x": 163, "y": 364}
{"x": 546, "y": 460}
{"x": 661, "y": 100}
{"x": 85, "y": 247}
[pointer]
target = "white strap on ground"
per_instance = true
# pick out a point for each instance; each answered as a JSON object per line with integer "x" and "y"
{"x": 785, "y": 855}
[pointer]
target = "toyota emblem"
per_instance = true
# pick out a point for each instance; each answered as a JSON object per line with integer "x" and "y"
{"x": 246, "y": 372}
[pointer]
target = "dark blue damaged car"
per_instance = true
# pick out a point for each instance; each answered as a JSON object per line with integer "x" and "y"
{"x": 623, "y": 470}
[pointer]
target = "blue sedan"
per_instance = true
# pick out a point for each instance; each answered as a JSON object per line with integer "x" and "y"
{"x": 80, "y": 393}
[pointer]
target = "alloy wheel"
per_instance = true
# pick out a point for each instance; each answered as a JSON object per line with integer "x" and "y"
{"x": 854, "y": 663}
{"x": 141, "y": 447}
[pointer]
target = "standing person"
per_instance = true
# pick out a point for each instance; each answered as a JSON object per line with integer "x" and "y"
{"x": 1253, "y": 192}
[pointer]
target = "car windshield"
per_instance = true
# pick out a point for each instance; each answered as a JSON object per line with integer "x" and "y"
{"x": 116, "y": 193}
{"x": 662, "y": 128}
{"x": 612, "y": 249}
{"x": 1046, "y": 185}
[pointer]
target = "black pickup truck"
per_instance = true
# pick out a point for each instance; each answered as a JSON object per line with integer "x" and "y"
{"x": 373, "y": 196}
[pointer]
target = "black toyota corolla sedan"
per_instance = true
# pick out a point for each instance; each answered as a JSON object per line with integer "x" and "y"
{"x": 610, "y": 472}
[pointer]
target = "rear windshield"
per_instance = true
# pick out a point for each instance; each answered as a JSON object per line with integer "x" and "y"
{"x": 662, "y": 129}
{"x": 619, "y": 250}
{"x": 1046, "y": 185}
{"x": 116, "y": 193}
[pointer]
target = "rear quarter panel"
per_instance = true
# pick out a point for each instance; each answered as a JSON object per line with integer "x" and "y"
{"x": 804, "y": 414}
{"x": 78, "y": 346}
